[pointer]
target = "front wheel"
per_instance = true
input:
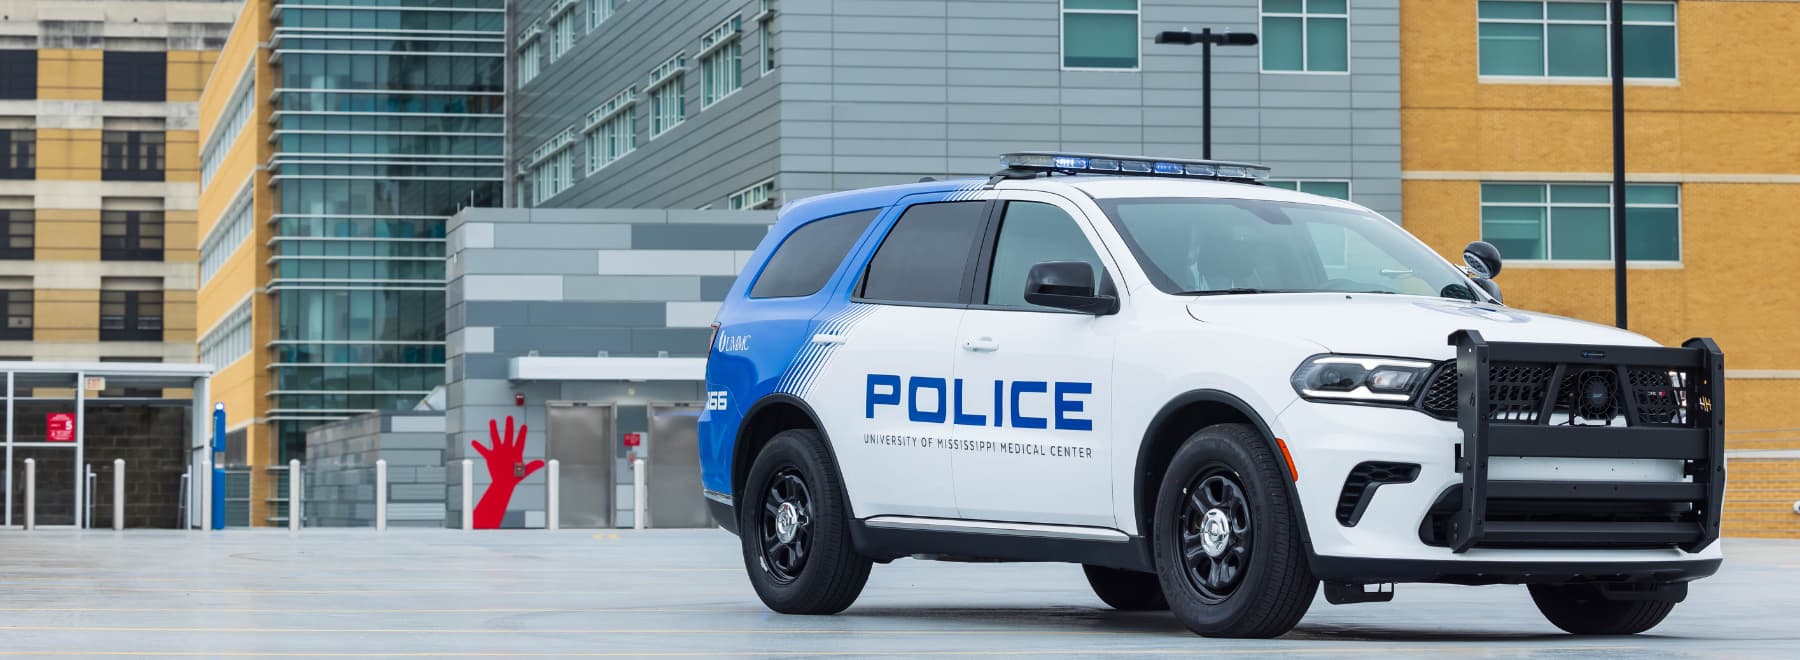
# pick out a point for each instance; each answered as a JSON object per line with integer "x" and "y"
{"x": 1227, "y": 539}
{"x": 1583, "y": 610}
{"x": 793, "y": 519}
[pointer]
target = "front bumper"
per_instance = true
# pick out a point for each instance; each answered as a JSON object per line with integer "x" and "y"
{"x": 1551, "y": 503}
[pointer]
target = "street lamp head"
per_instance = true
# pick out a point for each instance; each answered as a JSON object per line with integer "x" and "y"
{"x": 1206, "y": 36}
{"x": 1238, "y": 39}
{"x": 1181, "y": 37}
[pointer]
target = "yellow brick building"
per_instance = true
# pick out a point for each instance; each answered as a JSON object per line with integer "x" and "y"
{"x": 98, "y": 176}
{"x": 1506, "y": 135}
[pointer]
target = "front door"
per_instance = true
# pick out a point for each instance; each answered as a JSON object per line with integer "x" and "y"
{"x": 582, "y": 441}
{"x": 880, "y": 372}
{"x": 1034, "y": 385}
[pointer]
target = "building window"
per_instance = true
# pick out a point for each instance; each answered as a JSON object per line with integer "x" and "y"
{"x": 765, "y": 29}
{"x": 131, "y": 315}
{"x": 530, "y": 53}
{"x": 18, "y": 314}
{"x": 1573, "y": 221}
{"x": 721, "y": 62}
{"x": 20, "y": 81}
{"x": 19, "y": 146}
{"x": 135, "y": 76}
{"x": 226, "y": 131}
{"x": 229, "y": 340}
{"x": 18, "y": 234}
{"x": 759, "y": 196}
{"x": 553, "y": 166}
{"x": 668, "y": 101}
{"x": 1100, "y": 34}
{"x": 1334, "y": 188}
{"x": 611, "y": 130}
{"x": 597, "y": 12}
{"x": 563, "y": 26}
{"x": 1537, "y": 39}
{"x": 131, "y": 155}
{"x": 131, "y": 235}
{"x": 229, "y": 232}
{"x": 1306, "y": 36}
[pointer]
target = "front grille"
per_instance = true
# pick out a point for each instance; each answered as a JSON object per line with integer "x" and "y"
{"x": 1360, "y": 486}
{"x": 1591, "y": 396}
{"x": 1609, "y": 523}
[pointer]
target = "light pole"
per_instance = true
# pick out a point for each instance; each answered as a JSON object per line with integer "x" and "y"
{"x": 1616, "y": 26}
{"x": 1206, "y": 38}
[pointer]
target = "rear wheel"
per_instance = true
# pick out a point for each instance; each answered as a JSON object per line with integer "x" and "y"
{"x": 1227, "y": 539}
{"x": 793, "y": 520}
{"x": 1129, "y": 591}
{"x": 1583, "y": 610}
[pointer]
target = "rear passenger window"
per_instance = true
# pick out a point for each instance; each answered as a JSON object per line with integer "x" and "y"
{"x": 806, "y": 260}
{"x": 927, "y": 256}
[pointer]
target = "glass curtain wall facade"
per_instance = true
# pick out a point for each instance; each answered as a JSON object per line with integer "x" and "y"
{"x": 389, "y": 118}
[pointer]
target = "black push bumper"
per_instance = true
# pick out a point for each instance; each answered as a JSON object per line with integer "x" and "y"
{"x": 1574, "y": 401}
{"x": 1360, "y": 570}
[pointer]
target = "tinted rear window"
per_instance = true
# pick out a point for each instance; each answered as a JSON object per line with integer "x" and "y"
{"x": 806, "y": 260}
{"x": 927, "y": 256}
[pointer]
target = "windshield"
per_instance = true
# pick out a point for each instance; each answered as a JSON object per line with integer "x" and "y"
{"x": 1227, "y": 246}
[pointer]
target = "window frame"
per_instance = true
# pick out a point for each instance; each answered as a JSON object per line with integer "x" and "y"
{"x": 1549, "y": 261}
{"x": 670, "y": 76}
{"x": 24, "y": 149}
{"x": 765, "y": 33}
{"x": 721, "y": 54}
{"x": 530, "y": 51}
{"x": 1546, "y": 21}
{"x": 555, "y": 157}
{"x": 133, "y": 83}
{"x": 890, "y": 220}
{"x": 565, "y": 29}
{"x": 135, "y": 149}
{"x": 7, "y": 220}
{"x": 1062, "y": 37}
{"x": 133, "y": 316}
{"x": 134, "y": 221}
{"x": 26, "y": 79}
{"x": 8, "y": 298}
{"x": 1305, "y": 12}
{"x": 982, "y": 278}
{"x": 598, "y": 137}
{"x": 739, "y": 201}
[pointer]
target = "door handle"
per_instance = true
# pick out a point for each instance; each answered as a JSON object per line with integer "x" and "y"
{"x": 830, "y": 339}
{"x": 981, "y": 345}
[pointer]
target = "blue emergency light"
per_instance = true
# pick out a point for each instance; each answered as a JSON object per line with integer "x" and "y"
{"x": 1047, "y": 162}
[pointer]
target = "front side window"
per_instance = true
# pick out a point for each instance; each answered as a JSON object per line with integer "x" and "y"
{"x": 18, "y": 153}
{"x": 927, "y": 256}
{"x": 1240, "y": 246}
{"x": 17, "y": 306}
{"x": 1559, "y": 39}
{"x": 1306, "y": 36}
{"x": 131, "y": 155}
{"x": 18, "y": 234}
{"x": 131, "y": 235}
{"x": 1032, "y": 233}
{"x": 1573, "y": 221}
{"x": 1100, "y": 34}
{"x": 131, "y": 315}
{"x": 806, "y": 260}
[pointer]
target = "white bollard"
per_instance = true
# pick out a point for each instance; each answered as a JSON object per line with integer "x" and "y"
{"x": 638, "y": 492}
{"x": 553, "y": 509}
{"x": 30, "y": 494}
{"x": 468, "y": 493}
{"x": 381, "y": 494}
{"x": 118, "y": 494}
{"x": 294, "y": 505}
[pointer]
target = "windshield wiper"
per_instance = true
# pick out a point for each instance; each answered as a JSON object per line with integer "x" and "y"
{"x": 1230, "y": 292}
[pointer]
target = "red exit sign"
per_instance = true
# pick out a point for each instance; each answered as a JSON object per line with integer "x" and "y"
{"x": 634, "y": 439}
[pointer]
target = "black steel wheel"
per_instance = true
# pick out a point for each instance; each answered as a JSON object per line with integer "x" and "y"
{"x": 786, "y": 525}
{"x": 1216, "y": 538}
{"x": 794, "y": 522}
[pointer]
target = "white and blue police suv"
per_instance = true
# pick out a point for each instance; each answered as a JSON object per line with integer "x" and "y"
{"x": 1213, "y": 394}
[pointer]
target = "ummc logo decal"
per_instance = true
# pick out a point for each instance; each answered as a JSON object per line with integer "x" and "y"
{"x": 935, "y": 400}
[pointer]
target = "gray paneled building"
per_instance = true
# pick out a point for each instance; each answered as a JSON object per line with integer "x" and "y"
{"x": 741, "y": 103}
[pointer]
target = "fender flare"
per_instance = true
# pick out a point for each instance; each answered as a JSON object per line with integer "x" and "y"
{"x": 1262, "y": 427}
{"x": 739, "y": 459}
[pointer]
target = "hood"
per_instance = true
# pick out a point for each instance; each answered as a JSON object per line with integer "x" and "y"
{"x": 1397, "y": 325}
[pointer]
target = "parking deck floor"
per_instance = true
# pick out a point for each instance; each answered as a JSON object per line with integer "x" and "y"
{"x": 436, "y": 593}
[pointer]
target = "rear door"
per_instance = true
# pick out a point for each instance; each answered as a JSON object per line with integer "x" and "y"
{"x": 879, "y": 367}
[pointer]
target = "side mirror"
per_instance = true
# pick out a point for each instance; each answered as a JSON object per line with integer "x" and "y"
{"x": 1483, "y": 258}
{"x": 1067, "y": 285}
{"x": 1491, "y": 287}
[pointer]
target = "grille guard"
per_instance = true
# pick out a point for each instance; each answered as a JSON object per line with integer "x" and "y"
{"x": 1695, "y": 434}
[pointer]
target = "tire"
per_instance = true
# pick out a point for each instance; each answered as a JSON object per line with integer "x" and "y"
{"x": 815, "y": 570}
{"x": 1126, "y": 591}
{"x": 1581, "y": 610}
{"x": 1249, "y": 577}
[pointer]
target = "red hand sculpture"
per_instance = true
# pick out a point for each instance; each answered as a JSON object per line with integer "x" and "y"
{"x": 506, "y": 468}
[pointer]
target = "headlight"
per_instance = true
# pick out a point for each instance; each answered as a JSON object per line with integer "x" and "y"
{"x": 1361, "y": 378}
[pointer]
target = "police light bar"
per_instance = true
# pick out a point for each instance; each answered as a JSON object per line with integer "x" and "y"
{"x": 1077, "y": 163}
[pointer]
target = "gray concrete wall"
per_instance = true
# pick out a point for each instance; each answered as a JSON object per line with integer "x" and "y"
{"x": 340, "y": 470}
{"x": 875, "y": 92}
{"x": 576, "y": 283}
